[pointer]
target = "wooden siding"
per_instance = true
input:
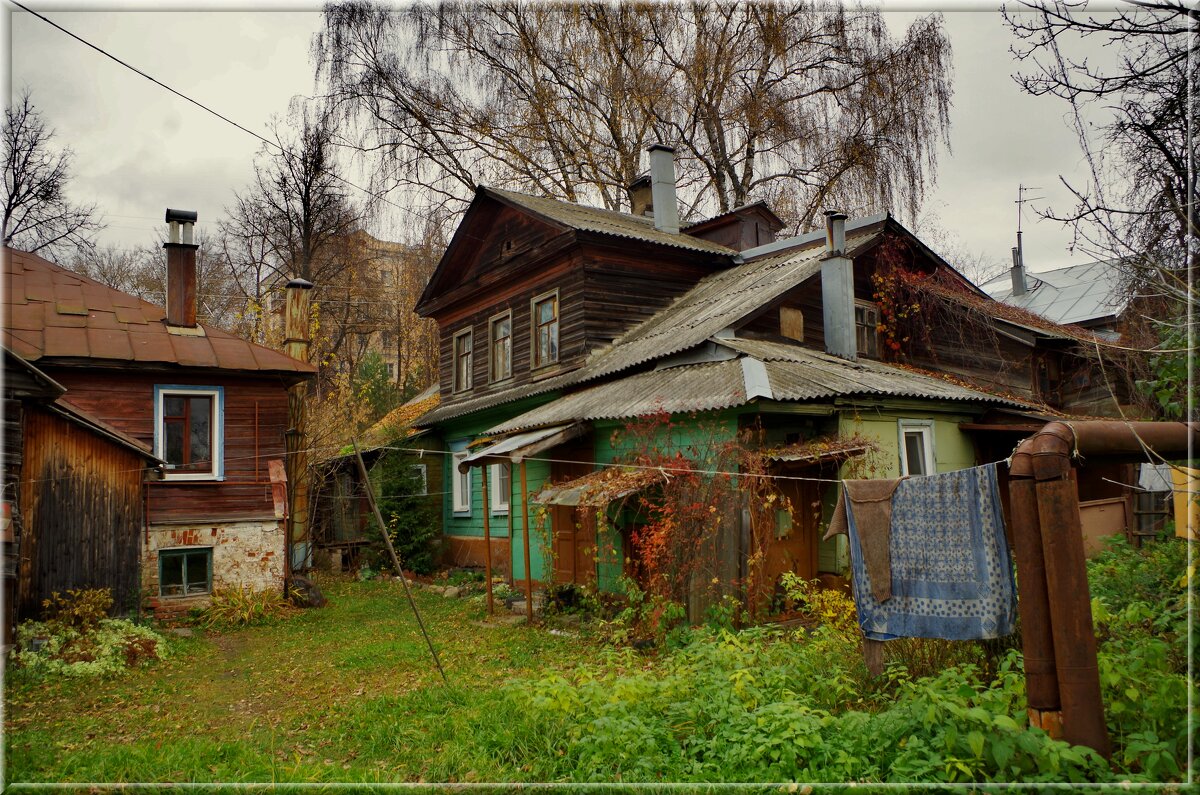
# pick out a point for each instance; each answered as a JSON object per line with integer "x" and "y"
{"x": 256, "y": 418}
{"x": 81, "y": 496}
{"x": 603, "y": 291}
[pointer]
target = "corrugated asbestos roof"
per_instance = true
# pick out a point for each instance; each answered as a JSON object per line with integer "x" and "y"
{"x": 717, "y": 302}
{"x": 792, "y": 373}
{"x": 607, "y": 222}
{"x": 55, "y": 313}
{"x": 1075, "y": 294}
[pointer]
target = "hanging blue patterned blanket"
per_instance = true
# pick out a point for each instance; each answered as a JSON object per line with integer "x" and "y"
{"x": 951, "y": 572}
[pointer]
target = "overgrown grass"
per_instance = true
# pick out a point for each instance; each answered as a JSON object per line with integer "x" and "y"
{"x": 348, "y": 693}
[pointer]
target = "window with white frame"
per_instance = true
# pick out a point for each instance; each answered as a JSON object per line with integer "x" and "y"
{"x": 461, "y": 488}
{"x": 420, "y": 478}
{"x": 189, "y": 432}
{"x": 500, "y": 479}
{"x": 463, "y": 360}
{"x": 916, "y": 448}
{"x": 500, "y": 347}
{"x": 544, "y": 323}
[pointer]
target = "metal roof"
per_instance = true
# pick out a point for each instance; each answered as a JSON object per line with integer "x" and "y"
{"x": 1075, "y": 294}
{"x": 55, "y": 313}
{"x": 766, "y": 370}
{"x": 606, "y": 222}
{"x": 717, "y": 302}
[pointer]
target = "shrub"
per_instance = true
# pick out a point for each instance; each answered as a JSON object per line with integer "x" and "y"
{"x": 107, "y": 647}
{"x": 81, "y": 609}
{"x": 410, "y": 518}
{"x": 243, "y": 607}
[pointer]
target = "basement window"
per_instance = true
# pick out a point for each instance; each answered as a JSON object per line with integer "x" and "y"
{"x": 185, "y": 572}
{"x": 189, "y": 432}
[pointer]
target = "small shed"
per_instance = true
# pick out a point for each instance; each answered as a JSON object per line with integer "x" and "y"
{"x": 78, "y": 514}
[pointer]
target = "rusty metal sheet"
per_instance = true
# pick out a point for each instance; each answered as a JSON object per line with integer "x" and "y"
{"x": 52, "y": 317}
{"x": 278, "y": 475}
{"x": 151, "y": 347}
{"x": 27, "y": 344}
{"x": 66, "y": 342}
{"x": 129, "y": 314}
{"x": 25, "y": 316}
{"x": 103, "y": 320}
{"x": 109, "y": 343}
{"x": 192, "y": 351}
{"x": 232, "y": 353}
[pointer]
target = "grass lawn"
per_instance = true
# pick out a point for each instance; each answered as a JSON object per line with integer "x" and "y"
{"x": 345, "y": 693}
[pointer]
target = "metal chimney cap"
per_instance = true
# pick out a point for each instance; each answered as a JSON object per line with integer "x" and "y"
{"x": 181, "y": 216}
{"x": 661, "y": 148}
{"x": 299, "y": 284}
{"x": 835, "y": 215}
{"x": 642, "y": 179}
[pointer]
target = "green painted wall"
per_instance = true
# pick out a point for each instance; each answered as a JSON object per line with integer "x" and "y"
{"x": 952, "y": 449}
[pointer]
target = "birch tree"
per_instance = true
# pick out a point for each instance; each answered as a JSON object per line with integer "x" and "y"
{"x": 801, "y": 105}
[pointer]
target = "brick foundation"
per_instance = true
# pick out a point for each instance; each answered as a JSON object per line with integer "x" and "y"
{"x": 248, "y": 554}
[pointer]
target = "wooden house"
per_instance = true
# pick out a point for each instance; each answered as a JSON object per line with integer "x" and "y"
{"x": 210, "y": 405}
{"x": 561, "y": 325}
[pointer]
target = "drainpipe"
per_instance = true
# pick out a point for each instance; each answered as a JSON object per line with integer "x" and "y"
{"x": 1062, "y": 675}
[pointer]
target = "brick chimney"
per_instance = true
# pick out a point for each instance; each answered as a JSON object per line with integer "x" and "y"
{"x": 837, "y": 290}
{"x": 181, "y": 269}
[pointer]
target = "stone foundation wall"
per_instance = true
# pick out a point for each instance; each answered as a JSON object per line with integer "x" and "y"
{"x": 248, "y": 554}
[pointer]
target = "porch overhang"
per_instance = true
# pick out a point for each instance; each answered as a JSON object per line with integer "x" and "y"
{"x": 513, "y": 449}
{"x": 599, "y": 489}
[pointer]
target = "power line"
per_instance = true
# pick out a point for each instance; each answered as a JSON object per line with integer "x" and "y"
{"x": 207, "y": 109}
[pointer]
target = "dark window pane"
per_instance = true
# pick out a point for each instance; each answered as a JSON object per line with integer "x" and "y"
{"x": 197, "y": 572}
{"x": 171, "y": 575}
{"x": 173, "y": 447}
{"x": 172, "y": 406}
{"x": 914, "y": 451}
{"x": 201, "y": 432}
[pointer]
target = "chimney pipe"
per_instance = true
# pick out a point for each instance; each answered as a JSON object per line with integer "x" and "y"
{"x": 1018, "y": 269}
{"x": 662, "y": 175}
{"x": 181, "y": 268}
{"x": 641, "y": 196}
{"x": 837, "y": 291}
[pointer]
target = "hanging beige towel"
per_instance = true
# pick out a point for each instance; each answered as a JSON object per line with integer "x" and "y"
{"x": 871, "y": 501}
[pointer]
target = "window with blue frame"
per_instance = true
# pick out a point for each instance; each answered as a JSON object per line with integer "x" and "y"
{"x": 189, "y": 431}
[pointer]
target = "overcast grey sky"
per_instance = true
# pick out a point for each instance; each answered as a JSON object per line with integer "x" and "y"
{"x": 140, "y": 149}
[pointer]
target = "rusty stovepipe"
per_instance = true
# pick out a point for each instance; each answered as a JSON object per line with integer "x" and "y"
{"x": 1053, "y": 585}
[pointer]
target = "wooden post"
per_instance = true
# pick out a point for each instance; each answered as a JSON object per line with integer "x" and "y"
{"x": 525, "y": 537}
{"x": 487, "y": 542}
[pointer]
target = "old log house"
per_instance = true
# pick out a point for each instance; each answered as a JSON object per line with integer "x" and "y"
{"x": 211, "y": 406}
{"x": 561, "y": 324}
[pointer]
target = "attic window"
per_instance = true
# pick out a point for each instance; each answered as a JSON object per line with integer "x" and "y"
{"x": 545, "y": 329}
{"x": 866, "y": 327}
{"x": 507, "y": 247}
{"x": 463, "y": 360}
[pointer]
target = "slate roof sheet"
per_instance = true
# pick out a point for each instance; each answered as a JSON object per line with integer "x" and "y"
{"x": 607, "y": 222}
{"x": 1075, "y": 294}
{"x": 55, "y": 313}
{"x": 716, "y": 302}
{"x": 793, "y": 373}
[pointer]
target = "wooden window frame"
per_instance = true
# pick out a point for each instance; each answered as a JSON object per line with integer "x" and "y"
{"x": 493, "y": 377}
{"x": 925, "y": 429}
{"x": 469, "y": 335}
{"x": 185, "y": 553}
{"x": 216, "y": 426}
{"x": 534, "y": 327}
{"x": 870, "y": 306}
{"x": 421, "y": 472}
